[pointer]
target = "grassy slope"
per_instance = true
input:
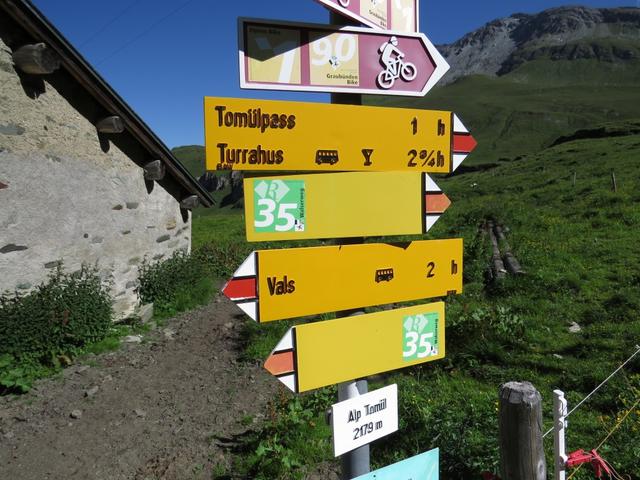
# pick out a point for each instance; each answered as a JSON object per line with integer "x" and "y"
{"x": 192, "y": 157}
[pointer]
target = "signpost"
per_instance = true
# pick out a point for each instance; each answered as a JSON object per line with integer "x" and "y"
{"x": 424, "y": 467}
{"x": 399, "y": 15}
{"x": 245, "y": 134}
{"x": 318, "y": 354}
{"x": 296, "y": 282}
{"x": 325, "y": 58}
{"x": 380, "y": 158}
{"x": 341, "y": 205}
{"x": 361, "y": 420}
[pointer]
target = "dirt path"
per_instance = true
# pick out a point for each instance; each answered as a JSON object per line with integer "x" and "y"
{"x": 155, "y": 414}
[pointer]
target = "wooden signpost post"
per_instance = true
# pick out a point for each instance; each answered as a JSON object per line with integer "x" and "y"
{"x": 341, "y": 205}
{"x": 265, "y": 135}
{"x": 325, "y": 58}
{"x": 296, "y": 282}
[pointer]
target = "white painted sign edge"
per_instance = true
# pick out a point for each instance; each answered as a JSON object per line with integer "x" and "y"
{"x": 343, "y": 430}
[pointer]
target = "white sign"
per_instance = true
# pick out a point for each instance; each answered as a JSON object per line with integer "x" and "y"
{"x": 361, "y": 420}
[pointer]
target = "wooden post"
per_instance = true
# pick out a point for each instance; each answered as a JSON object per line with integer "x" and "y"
{"x": 614, "y": 184}
{"x": 520, "y": 423}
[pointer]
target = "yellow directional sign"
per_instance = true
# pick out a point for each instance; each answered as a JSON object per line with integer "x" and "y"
{"x": 335, "y": 205}
{"x": 295, "y": 282}
{"x": 318, "y": 354}
{"x": 243, "y": 134}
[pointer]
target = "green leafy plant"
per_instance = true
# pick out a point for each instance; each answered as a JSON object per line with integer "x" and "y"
{"x": 176, "y": 284}
{"x": 59, "y": 316}
{"x": 293, "y": 439}
{"x": 13, "y": 378}
{"x": 43, "y": 329}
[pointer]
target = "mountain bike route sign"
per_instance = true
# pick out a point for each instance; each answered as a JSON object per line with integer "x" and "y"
{"x": 318, "y": 354}
{"x": 295, "y": 282}
{"x": 399, "y": 15}
{"x": 246, "y": 134}
{"x": 324, "y": 58}
{"x": 340, "y": 205}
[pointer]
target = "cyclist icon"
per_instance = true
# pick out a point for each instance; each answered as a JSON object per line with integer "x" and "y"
{"x": 391, "y": 58}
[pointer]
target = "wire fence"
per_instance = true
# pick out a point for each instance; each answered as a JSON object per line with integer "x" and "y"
{"x": 604, "y": 382}
{"x": 615, "y": 475}
{"x": 611, "y": 471}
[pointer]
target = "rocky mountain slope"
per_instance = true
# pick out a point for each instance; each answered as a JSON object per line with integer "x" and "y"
{"x": 564, "y": 33}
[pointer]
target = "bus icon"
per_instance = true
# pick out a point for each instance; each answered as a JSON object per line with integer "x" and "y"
{"x": 384, "y": 275}
{"x": 327, "y": 156}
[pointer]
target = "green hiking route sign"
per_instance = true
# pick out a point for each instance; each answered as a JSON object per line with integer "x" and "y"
{"x": 279, "y": 205}
{"x": 419, "y": 336}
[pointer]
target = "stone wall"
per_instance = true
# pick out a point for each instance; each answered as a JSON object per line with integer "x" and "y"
{"x": 64, "y": 200}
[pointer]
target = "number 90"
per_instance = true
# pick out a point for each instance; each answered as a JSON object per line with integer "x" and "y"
{"x": 343, "y": 50}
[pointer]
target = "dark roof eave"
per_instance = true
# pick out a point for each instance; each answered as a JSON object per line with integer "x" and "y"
{"x": 28, "y": 16}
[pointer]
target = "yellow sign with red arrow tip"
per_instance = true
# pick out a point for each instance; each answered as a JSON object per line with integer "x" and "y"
{"x": 296, "y": 282}
{"x": 242, "y": 134}
{"x": 336, "y": 205}
{"x": 318, "y": 354}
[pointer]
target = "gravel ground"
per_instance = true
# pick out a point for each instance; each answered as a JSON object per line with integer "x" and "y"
{"x": 159, "y": 409}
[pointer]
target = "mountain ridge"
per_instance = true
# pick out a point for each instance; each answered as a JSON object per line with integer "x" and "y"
{"x": 562, "y": 33}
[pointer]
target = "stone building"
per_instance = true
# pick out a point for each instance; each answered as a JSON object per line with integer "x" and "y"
{"x": 82, "y": 178}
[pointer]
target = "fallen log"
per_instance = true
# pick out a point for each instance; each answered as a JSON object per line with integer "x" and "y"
{"x": 509, "y": 260}
{"x": 499, "y": 272}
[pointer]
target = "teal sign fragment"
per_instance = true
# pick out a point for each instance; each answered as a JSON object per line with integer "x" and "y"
{"x": 421, "y": 467}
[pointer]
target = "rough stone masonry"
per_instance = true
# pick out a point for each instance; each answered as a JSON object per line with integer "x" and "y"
{"x": 63, "y": 200}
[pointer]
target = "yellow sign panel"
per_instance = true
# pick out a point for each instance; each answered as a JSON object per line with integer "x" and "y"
{"x": 318, "y": 354}
{"x": 295, "y": 282}
{"x": 243, "y": 134}
{"x": 336, "y": 205}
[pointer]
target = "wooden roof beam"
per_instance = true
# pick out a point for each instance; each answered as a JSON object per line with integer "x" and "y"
{"x": 36, "y": 59}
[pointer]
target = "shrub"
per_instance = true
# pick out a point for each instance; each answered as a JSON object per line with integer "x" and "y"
{"x": 50, "y": 323}
{"x": 59, "y": 316}
{"x": 176, "y": 284}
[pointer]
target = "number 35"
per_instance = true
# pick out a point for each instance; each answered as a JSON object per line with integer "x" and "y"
{"x": 415, "y": 342}
{"x": 268, "y": 217}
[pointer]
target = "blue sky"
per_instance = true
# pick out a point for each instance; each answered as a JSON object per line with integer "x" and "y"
{"x": 164, "y": 56}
